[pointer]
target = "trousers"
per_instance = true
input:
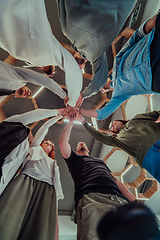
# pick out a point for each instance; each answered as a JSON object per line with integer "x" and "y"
{"x": 91, "y": 208}
{"x": 151, "y": 161}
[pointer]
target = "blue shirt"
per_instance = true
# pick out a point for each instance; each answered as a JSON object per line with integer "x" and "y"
{"x": 132, "y": 73}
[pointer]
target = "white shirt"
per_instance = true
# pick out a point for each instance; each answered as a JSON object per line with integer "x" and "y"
{"x": 41, "y": 167}
{"x": 13, "y": 78}
{"x": 18, "y": 155}
{"x": 26, "y": 34}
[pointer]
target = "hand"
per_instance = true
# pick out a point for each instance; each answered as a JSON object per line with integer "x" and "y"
{"x": 158, "y": 120}
{"x": 66, "y": 100}
{"x": 106, "y": 87}
{"x": 71, "y": 112}
{"x": 79, "y": 118}
{"x": 79, "y": 101}
{"x": 62, "y": 111}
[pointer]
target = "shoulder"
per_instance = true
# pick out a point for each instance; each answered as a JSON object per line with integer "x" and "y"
{"x": 71, "y": 159}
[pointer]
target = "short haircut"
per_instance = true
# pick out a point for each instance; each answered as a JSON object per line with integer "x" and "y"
{"x": 49, "y": 71}
{"x": 123, "y": 121}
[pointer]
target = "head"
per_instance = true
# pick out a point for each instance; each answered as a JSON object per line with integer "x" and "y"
{"x": 49, "y": 148}
{"x": 107, "y": 87}
{"x": 82, "y": 149}
{"x": 23, "y": 92}
{"x": 80, "y": 60}
{"x": 117, "y": 125}
{"x": 48, "y": 70}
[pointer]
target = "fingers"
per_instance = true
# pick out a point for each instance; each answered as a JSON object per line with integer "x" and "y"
{"x": 79, "y": 101}
{"x": 158, "y": 120}
{"x": 71, "y": 112}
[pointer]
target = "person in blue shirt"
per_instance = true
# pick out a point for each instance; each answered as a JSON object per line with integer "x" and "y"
{"x": 136, "y": 68}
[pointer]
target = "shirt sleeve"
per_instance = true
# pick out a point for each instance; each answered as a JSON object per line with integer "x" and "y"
{"x": 42, "y": 80}
{"x": 32, "y": 116}
{"x": 100, "y": 73}
{"x": 73, "y": 75}
{"x": 106, "y": 139}
{"x": 43, "y": 131}
{"x": 70, "y": 159}
{"x": 136, "y": 37}
{"x": 110, "y": 107}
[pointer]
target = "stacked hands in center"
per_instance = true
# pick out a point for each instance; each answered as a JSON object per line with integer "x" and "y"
{"x": 72, "y": 113}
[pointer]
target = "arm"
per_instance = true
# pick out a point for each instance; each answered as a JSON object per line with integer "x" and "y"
{"x": 140, "y": 33}
{"x": 42, "y": 80}
{"x": 88, "y": 112}
{"x": 100, "y": 73}
{"x": 107, "y": 110}
{"x": 64, "y": 145}
{"x": 33, "y": 116}
{"x": 73, "y": 75}
{"x": 108, "y": 140}
{"x": 43, "y": 131}
{"x": 124, "y": 190}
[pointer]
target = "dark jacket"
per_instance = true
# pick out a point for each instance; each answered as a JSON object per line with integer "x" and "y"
{"x": 135, "y": 138}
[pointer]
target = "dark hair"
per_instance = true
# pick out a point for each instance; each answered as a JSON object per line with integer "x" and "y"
{"x": 80, "y": 60}
{"x": 123, "y": 121}
{"x": 49, "y": 71}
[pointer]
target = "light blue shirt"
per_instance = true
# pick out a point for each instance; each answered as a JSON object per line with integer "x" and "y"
{"x": 132, "y": 73}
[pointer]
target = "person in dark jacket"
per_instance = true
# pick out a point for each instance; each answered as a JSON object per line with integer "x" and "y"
{"x": 139, "y": 137}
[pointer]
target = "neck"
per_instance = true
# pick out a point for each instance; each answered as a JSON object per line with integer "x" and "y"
{"x": 84, "y": 152}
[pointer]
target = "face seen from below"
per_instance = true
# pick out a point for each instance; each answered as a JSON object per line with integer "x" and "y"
{"x": 82, "y": 149}
{"x": 80, "y": 60}
{"x": 47, "y": 146}
{"x": 116, "y": 126}
{"x": 48, "y": 70}
{"x": 23, "y": 92}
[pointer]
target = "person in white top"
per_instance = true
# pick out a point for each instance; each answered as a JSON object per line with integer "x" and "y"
{"x": 15, "y": 78}
{"x": 25, "y": 33}
{"x": 16, "y": 157}
{"x": 29, "y": 203}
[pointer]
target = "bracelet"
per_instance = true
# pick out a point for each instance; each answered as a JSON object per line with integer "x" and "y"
{"x": 83, "y": 122}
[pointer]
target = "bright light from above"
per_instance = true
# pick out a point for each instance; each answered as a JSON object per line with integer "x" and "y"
{"x": 76, "y": 122}
{"x": 40, "y": 89}
{"x": 151, "y": 101}
{"x": 94, "y": 122}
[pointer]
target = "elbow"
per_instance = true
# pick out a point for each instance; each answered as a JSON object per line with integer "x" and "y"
{"x": 61, "y": 142}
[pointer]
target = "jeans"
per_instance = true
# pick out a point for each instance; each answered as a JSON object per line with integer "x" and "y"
{"x": 151, "y": 161}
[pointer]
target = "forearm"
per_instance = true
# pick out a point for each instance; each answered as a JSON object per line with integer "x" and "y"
{"x": 108, "y": 140}
{"x": 65, "y": 136}
{"x": 73, "y": 76}
{"x": 44, "y": 130}
{"x": 32, "y": 116}
{"x": 42, "y": 80}
{"x": 64, "y": 140}
{"x": 89, "y": 112}
{"x": 100, "y": 71}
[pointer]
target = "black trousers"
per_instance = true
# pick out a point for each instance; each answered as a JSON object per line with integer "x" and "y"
{"x": 155, "y": 57}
